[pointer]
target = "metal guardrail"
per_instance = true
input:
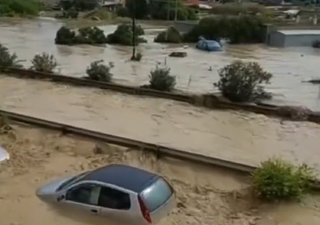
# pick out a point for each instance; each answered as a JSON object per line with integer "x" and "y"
{"x": 126, "y": 142}
{"x": 139, "y": 145}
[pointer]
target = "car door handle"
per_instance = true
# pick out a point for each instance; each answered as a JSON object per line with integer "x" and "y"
{"x": 94, "y": 211}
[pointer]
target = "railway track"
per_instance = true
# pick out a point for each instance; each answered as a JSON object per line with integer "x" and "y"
{"x": 158, "y": 150}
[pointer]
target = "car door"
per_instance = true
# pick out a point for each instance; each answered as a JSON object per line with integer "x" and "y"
{"x": 81, "y": 202}
{"x": 115, "y": 204}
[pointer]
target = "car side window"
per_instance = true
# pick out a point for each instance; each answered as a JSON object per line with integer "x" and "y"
{"x": 85, "y": 193}
{"x": 114, "y": 199}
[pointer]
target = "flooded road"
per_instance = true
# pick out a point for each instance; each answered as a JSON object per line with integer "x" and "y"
{"x": 289, "y": 66}
{"x": 244, "y": 137}
{"x": 204, "y": 194}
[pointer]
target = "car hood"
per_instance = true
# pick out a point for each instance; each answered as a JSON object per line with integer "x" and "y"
{"x": 4, "y": 155}
{"x": 52, "y": 187}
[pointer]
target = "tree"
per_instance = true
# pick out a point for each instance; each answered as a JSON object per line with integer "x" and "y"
{"x": 242, "y": 82}
{"x": 139, "y": 10}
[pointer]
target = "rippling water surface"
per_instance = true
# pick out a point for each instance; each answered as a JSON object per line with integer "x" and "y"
{"x": 244, "y": 137}
{"x": 289, "y": 66}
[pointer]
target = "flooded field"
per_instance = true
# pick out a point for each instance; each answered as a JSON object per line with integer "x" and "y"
{"x": 289, "y": 66}
{"x": 204, "y": 195}
{"x": 243, "y": 137}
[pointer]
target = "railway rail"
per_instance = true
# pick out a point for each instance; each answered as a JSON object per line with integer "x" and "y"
{"x": 158, "y": 150}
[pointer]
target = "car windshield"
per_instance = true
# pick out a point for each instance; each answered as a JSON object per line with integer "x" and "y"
{"x": 157, "y": 194}
{"x": 71, "y": 181}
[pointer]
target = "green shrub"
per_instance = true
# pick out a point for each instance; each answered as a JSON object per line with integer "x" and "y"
{"x": 7, "y": 59}
{"x": 167, "y": 11}
{"x": 123, "y": 35}
{"x": 20, "y": 7}
{"x": 276, "y": 179}
{"x": 244, "y": 29}
{"x": 65, "y": 36}
{"x": 242, "y": 82}
{"x": 44, "y": 63}
{"x": 161, "y": 80}
{"x": 100, "y": 72}
{"x": 86, "y": 35}
{"x": 171, "y": 35}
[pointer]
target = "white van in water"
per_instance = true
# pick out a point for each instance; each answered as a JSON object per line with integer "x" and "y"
{"x": 4, "y": 155}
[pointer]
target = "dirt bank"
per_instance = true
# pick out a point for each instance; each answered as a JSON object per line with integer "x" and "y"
{"x": 244, "y": 137}
{"x": 205, "y": 196}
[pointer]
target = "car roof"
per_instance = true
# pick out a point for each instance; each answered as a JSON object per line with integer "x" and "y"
{"x": 127, "y": 177}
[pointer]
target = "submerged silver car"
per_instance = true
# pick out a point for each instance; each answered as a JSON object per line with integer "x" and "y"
{"x": 118, "y": 193}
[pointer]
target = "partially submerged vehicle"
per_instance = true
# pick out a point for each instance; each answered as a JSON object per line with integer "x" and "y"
{"x": 208, "y": 45}
{"x": 113, "y": 193}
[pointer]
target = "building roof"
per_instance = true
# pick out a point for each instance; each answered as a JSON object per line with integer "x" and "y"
{"x": 299, "y": 32}
{"x": 127, "y": 177}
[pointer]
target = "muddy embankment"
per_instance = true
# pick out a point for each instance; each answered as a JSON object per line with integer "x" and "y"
{"x": 204, "y": 195}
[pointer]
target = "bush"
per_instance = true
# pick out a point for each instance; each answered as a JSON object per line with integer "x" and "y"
{"x": 161, "y": 80}
{"x": 166, "y": 11}
{"x": 241, "y": 82}
{"x": 171, "y": 35}
{"x": 20, "y": 7}
{"x": 87, "y": 35}
{"x": 65, "y": 36}
{"x": 123, "y": 35}
{"x": 276, "y": 179}
{"x": 100, "y": 72}
{"x": 244, "y": 29}
{"x": 44, "y": 63}
{"x": 7, "y": 59}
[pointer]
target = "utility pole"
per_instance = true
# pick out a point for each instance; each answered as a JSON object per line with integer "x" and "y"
{"x": 133, "y": 17}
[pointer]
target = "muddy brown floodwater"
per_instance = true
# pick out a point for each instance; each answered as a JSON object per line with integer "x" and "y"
{"x": 205, "y": 196}
{"x": 290, "y": 66}
{"x": 244, "y": 137}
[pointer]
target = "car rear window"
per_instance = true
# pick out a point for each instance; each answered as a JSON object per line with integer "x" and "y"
{"x": 157, "y": 194}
